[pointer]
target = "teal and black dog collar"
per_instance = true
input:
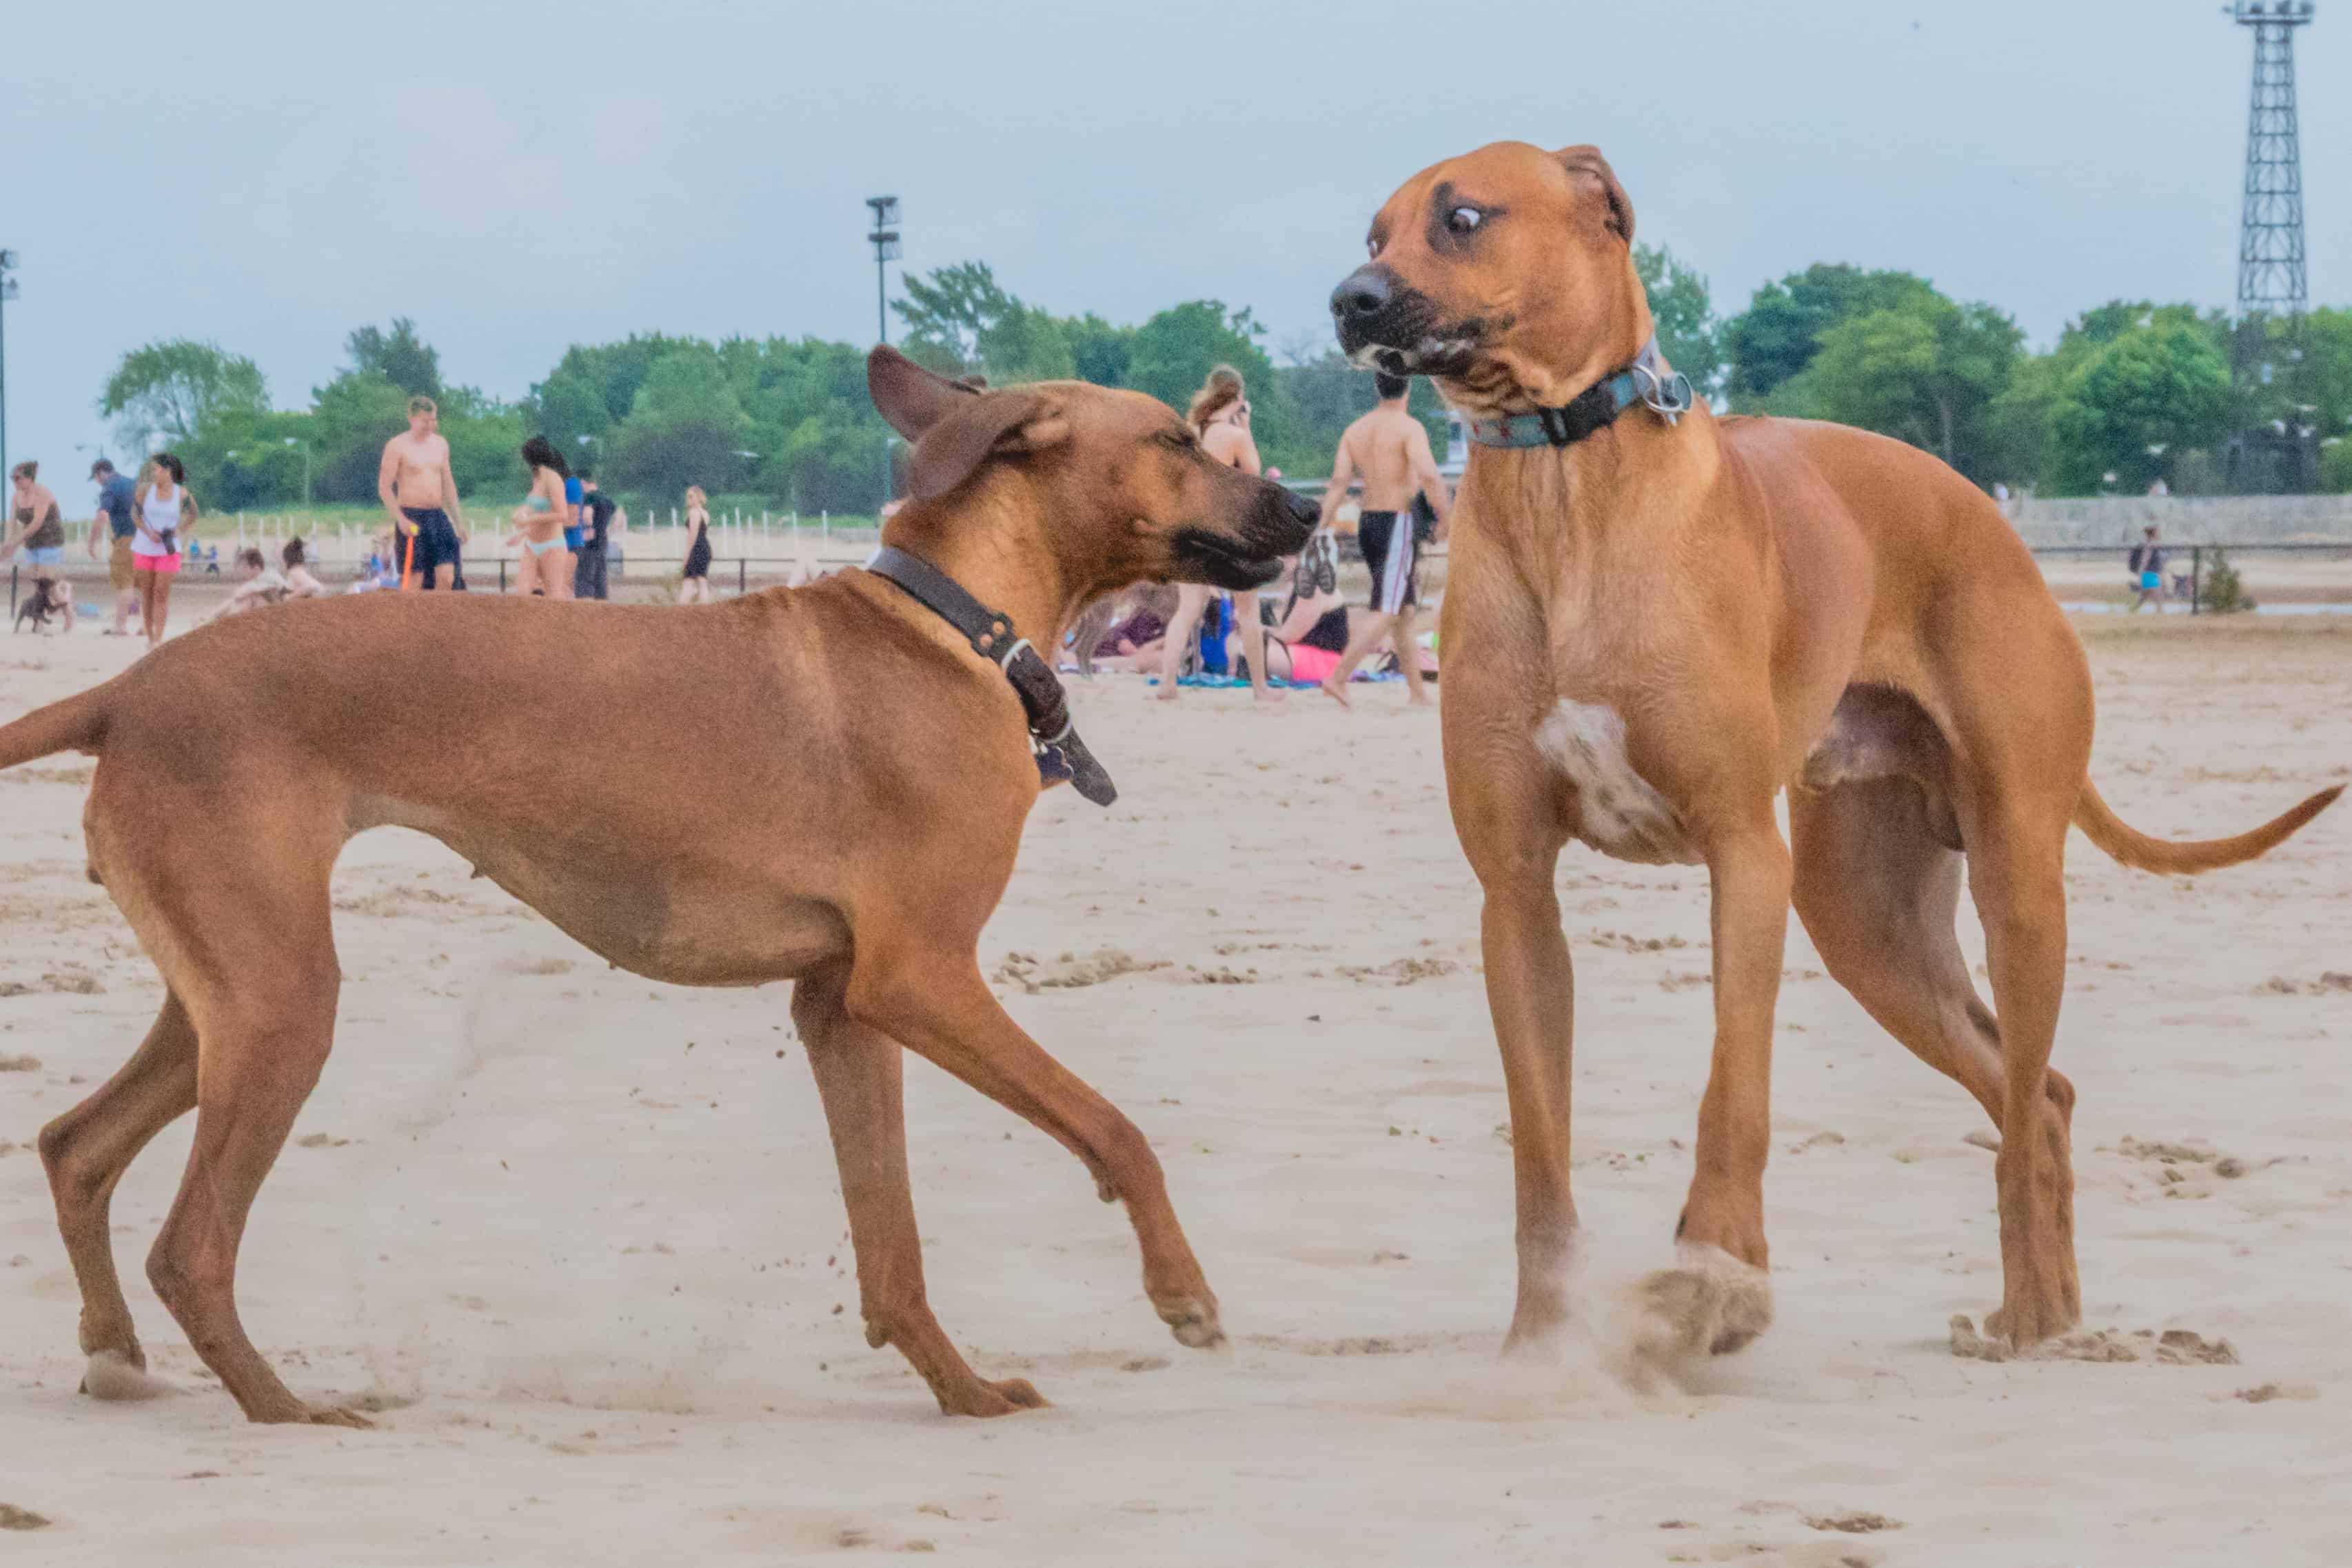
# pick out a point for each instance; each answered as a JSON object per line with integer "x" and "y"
{"x": 1647, "y": 381}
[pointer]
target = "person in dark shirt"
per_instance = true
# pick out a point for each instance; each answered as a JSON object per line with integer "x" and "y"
{"x": 114, "y": 522}
{"x": 2147, "y": 564}
{"x": 596, "y": 509}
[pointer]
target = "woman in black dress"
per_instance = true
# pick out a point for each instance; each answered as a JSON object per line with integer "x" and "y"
{"x": 696, "y": 587}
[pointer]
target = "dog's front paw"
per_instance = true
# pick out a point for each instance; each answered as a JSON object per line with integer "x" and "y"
{"x": 122, "y": 1375}
{"x": 1711, "y": 1305}
{"x": 985, "y": 1400}
{"x": 1194, "y": 1323}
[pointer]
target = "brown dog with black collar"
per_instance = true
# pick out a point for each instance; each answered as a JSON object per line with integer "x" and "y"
{"x": 1656, "y": 623}
{"x": 234, "y": 762}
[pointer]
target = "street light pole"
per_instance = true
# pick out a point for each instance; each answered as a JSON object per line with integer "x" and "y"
{"x": 7, "y": 292}
{"x": 885, "y": 238}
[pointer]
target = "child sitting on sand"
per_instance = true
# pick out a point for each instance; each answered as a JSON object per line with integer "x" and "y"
{"x": 256, "y": 586}
{"x": 300, "y": 583}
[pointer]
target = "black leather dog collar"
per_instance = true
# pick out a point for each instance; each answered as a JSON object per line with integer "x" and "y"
{"x": 1060, "y": 753}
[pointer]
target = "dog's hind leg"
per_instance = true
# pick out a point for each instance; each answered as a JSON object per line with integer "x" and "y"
{"x": 1878, "y": 895}
{"x": 2016, "y": 876}
{"x": 246, "y": 946}
{"x": 264, "y": 1037}
{"x": 1878, "y": 891}
{"x": 86, "y": 1151}
{"x": 857, "y": 1073}
{"x": 931, "y": 999}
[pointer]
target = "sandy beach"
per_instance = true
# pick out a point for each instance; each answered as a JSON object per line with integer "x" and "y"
{"x": 577, "y": 1237}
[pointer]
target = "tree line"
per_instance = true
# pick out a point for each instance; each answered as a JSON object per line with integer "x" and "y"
{"x": 2131, "y": 392}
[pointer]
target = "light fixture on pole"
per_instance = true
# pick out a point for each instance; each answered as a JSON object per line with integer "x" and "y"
{"x": 885, "y": 237}
{"x": 7, "y": 292}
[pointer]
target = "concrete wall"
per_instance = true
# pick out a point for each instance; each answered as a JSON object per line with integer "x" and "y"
{"x": 2184, "y": 520}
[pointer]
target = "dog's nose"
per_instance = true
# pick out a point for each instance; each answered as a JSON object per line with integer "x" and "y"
{"x": 1364, "y": 293}
{"x": 1305, "y": 510}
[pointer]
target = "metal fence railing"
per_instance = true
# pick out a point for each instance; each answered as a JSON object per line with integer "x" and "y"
{"x": 481, "y": 571}
{"x": 2196, "y": 554}
{"x": 478, "y": 572}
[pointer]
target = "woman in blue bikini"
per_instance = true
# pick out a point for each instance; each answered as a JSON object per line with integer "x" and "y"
{"x": 546, "y": 564}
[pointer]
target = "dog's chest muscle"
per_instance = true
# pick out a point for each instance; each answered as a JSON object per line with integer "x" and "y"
{"x": 1619, "y": 812}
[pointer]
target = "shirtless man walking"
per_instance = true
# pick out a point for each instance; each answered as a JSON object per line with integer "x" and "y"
{"x": 420, "y": 495}
{"x": 1388, "y": 449}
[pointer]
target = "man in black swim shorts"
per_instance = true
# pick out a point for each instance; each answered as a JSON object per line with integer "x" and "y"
{"x": 420, "y": 495}
{"x": 1388, "y": 450}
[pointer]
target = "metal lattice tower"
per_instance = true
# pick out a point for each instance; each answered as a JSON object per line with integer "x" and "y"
{"x": 2271, "y": 277}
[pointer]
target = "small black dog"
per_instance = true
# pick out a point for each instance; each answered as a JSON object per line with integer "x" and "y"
{"x": 40, "y": 606}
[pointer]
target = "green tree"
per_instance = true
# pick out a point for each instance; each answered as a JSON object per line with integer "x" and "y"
{"x": 398, "y": 356}
{"x": 688, "y": 384}
{"x": 2327, "y": 341}
{"x": 1683, "y": 310}
{"x": 241, "y": 459}
{"x": 960, "y": 321}
{"x": 1099, "y": 353}
{"x": 173, "y": 387}
{"x": 1775, "y": 338}
{"x": 1172, "y": 353}
{"x": 2336, "y": 464}
{"x": 820, "y": 445}
{"x": 2135, "y": 403}
{"x": 1926, "y": 371}
{"x": 486, "y": 439}
{"x": 1026, "y": 345}
{"x": 593, "y": 388}
{"x": 352, "y": 417}
{"x": 2017, "y": 421}
{"x": 686, "y": 426}
{"x": 947, "y": 313}
{"x": 663, "y": 460}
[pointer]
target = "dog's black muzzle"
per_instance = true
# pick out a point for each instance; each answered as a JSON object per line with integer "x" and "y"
{"x": 1385, "y": 323}
{"x": 1374, "y": 309}
{"x": 1280, "y": 525}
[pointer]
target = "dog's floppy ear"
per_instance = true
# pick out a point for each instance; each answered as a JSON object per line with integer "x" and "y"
{"x": 989, "y": 424}
{"x": 909, "y": 397}
{"x": 1585, "y": 165}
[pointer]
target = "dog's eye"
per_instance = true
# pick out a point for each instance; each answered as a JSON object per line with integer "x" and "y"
{"x": 1372, "y": 249}
{"x": 1461, "y": 220}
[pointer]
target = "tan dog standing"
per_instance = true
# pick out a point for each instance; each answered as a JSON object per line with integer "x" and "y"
{"x": 905, "y": 756}
{"x": 1652, "y": 627}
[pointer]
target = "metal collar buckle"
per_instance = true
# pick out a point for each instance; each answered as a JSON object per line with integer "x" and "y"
{"x": 1669, "y": 396}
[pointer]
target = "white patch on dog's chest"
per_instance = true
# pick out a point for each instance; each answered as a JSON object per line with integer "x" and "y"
{"x": 1620, "y": 813}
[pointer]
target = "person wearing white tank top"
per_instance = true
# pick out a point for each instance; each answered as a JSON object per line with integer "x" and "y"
{"x": 160, "y": 508}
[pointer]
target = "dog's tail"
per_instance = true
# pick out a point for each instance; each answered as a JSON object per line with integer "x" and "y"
{"x": 2173, "y": 857}
{"x": 76, "y": 724}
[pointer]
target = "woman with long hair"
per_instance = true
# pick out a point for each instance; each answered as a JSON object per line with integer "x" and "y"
{"x": 161, "y": 507}
{"x": 35, "y": 523}
{"x": 694, "y": 588}
{"x": 1220, "y": 417}
{"x": 546, "y": 567}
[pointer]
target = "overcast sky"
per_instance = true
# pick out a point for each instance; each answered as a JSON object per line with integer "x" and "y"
{"x": 521, "y": 176}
